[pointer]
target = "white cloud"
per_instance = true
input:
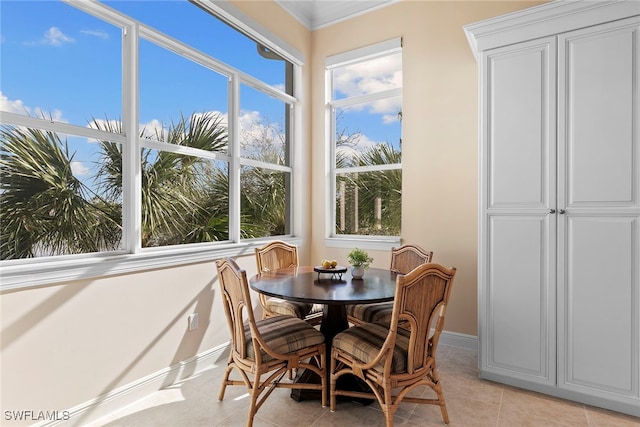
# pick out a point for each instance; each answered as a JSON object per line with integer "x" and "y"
{"x": 17, "y": 106}
{"x": 96, "y": 33}
{"x": 254, "y": 127}
{"x": 13, "y": 106}
{"x": 78, "y": 169}
{"x": 370, "y": 76}
{"x": 54, "y": 37}
{"x": 55, "y": 115}
{"x": 390, "y": 118}
{"x": 152, "y": 129}
{"x": 358, "y": 146}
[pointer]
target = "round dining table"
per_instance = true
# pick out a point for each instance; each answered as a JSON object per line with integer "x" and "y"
{"x": 332, "y": 289}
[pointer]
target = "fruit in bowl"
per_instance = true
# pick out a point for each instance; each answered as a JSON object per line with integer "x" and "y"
{"x": 329, "y": 263}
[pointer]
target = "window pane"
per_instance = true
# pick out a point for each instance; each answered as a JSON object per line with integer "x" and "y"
{"x": 185, "y": 199}
{"x": 372, "y": 76}
{"x": 366, "y": 129}
{"x": 209, "y": 35}
{"x": 60, "y": 194}
{"x": 59, "y": 63}
{"x": 369, "y": 203}
{"x": 181, "y": 102}
{"x": 264, "y": 202}
{"x": 263, "y": 127}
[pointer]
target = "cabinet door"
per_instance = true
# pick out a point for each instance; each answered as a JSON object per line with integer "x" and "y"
{"x": 599, "y": 187}
{"x": 516, "y": 274}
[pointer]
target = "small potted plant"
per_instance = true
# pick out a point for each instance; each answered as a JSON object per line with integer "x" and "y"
{"x": 359, "y": 260}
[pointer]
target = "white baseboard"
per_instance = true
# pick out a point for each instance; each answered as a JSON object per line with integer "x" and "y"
{"x": 454, "y": 339}
{"x": 123, "y": 396}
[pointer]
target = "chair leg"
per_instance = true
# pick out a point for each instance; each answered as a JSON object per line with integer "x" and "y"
{"x": 225, "y": 381}
{"x": 388, "y": 407}
{"x": 445, "y": 414}
{"x": 438, "y": 389}
{"x": 323, "y": 379}
{"x": 388, "y": 418}
{"x": 332, "y": 385}
{"x": 226, "y": 375}
{"x": 254, "y": 391}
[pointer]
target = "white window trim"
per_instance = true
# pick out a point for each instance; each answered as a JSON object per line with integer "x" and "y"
{"x": 37, "y": 272}
{"x": 365, "y": 53}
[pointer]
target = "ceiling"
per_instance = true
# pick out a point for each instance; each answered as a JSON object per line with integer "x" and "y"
{"x": 315, "y": 14}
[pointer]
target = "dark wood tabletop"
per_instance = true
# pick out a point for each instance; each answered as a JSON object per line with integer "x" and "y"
{"x": 305, "y": 285}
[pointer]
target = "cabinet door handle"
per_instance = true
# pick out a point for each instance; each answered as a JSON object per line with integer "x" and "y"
{"x": 561, "y": 211}
{"x": 552, "y": 211}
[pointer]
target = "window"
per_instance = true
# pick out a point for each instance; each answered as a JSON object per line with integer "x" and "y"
{"x": 365, "y": 88}
{"x": 149, "y": 134}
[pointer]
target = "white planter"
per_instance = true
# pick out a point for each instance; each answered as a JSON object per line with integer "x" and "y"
{"x": 357, "y": 271}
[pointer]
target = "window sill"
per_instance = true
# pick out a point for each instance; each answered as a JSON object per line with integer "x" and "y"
{"x": 41, "y": 272}
{"x": 369, "y": 243}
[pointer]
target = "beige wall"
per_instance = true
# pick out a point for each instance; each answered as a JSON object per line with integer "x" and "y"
{"x": 65, "y": 344}
{"x": 439, "y": 152}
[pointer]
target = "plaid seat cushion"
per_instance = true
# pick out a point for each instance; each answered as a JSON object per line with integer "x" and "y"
{"x": 283, "y": 334}
{"x": 372, "y": 313}
{"x": 289, "y": 308}
{"x": 364, "y": 342}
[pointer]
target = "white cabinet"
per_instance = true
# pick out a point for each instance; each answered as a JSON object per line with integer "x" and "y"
{"x": 559, "y": 244}
{"x": 519, "y": 188}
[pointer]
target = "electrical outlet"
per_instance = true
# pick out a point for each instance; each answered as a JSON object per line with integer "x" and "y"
{"x": 193, "y": 321}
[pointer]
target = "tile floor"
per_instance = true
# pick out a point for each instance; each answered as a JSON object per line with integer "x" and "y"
{"x": 470, "y": 402}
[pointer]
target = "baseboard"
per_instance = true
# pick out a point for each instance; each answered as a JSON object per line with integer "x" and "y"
{"x": 630, "y": 407}
{"x": 119, "y": 398}
{"x": 455, "y": 339}
{"x": 132, "y": 392}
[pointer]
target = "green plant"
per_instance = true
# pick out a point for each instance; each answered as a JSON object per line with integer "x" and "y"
{"x": 359, "y": 257}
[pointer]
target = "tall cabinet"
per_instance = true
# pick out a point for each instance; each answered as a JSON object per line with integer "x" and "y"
{"x": 559, "y": 214}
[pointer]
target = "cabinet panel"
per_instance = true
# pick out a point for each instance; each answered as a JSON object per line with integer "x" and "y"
{"x": 600, "y": 84}
{"x": 599, "y": 301}
{"x": 517, "y": 191}
{"x": 520, "y": 301}
{"x": 520, "y": 94}
{"x": 598, "y": 238}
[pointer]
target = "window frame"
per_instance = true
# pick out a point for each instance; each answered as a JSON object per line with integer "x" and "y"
{"x": 33, "y": 272}
{"x": 377, "y": 50}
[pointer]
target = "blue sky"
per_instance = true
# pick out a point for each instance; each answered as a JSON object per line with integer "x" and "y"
{"x": 57, "y": 60}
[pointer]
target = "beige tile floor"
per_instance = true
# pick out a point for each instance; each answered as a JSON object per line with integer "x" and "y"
{"x": 470, "y": 402}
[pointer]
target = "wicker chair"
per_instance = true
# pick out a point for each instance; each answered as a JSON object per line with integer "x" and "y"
{"x": 275, "y": 256}
{"x": 392, "y": 358}
{"x": 403, "y": 260}
{"x": 266, "y": 348}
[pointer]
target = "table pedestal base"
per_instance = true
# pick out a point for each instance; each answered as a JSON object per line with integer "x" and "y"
{"x": 334, "y": 321}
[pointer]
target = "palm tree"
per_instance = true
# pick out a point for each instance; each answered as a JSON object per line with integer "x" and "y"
{"x": 380, "y": 193}
{"x": 185, "y": 198}
{"x": 44, "y": 208}
{"x": 374, "y": 198}
{"x": 175, "y": 206}
{"x": 264, "y": 192}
